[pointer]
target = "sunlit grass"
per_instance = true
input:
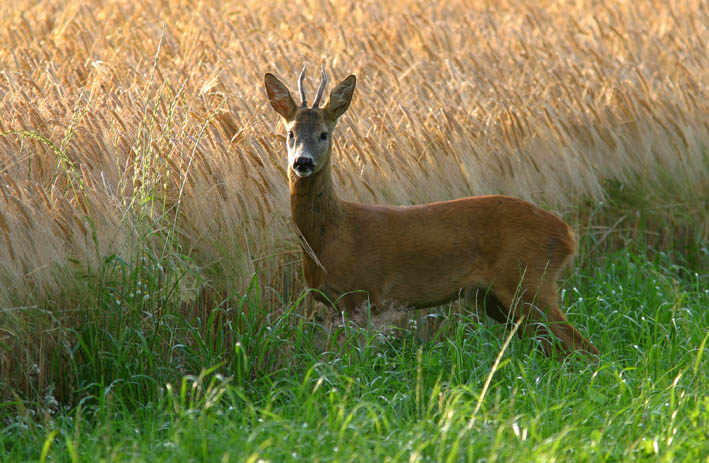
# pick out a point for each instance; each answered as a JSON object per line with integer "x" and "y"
{"x": 282, "y": 397}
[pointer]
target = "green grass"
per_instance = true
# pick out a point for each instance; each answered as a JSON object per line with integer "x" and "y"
{"x": 273, "y": 389}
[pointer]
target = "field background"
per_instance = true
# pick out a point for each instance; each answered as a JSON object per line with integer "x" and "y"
{"x": 143, "y": 172}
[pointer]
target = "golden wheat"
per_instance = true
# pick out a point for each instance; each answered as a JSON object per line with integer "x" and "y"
{"x": 126, "y": 122}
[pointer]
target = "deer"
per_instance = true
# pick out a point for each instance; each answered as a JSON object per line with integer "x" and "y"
{"x": 503, "y": 251}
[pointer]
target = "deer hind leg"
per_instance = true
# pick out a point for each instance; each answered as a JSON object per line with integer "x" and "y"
{"x": 485, "y": 299}
{"x": 542, "y": 313}
{"x": 546, "y": 314}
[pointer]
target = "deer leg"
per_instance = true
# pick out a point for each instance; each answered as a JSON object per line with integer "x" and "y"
{"x": 495, "y": 310}
{"x": 381, "y": 315}
{"x": 325, "y": 294}
{"x": 502, "y": 307}
{"x": 542, "y": 315}
{"x": 546, "y": 315}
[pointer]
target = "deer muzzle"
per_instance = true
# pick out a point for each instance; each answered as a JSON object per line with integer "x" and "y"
{"x": 303, "y": 166}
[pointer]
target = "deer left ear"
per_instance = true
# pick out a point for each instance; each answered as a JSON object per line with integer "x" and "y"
{"x": 279, "y": 96}
{"x": 340, "y": 97}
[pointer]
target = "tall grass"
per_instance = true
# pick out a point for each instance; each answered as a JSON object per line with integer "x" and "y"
{"x": 369, "y": 398}
{"x": 142, "y": 129}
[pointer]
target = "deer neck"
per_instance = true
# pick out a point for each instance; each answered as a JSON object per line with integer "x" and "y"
{"x": 314, "y": 206}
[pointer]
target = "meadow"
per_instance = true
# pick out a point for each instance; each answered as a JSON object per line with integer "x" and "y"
{"x": 151, "y": 302}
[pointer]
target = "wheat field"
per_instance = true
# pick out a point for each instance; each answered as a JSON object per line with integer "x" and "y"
{"x": 131, "y": 128}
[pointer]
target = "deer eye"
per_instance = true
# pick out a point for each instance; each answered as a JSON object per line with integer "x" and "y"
{"x": 290, "y": 135}
{"x": 323, "y": 136}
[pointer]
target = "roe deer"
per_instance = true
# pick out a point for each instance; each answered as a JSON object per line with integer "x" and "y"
{"x": 502, "y": 249}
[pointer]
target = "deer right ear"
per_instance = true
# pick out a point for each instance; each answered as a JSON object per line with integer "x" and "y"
{"x": 279, "y": 96}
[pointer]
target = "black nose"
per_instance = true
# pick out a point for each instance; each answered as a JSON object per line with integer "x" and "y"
{"x": 303, "y": 164}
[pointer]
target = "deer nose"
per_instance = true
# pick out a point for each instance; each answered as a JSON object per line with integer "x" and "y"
{"x": 303, "y": 164}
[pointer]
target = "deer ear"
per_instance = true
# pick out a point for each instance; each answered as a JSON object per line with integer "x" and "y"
{"x": 279, "y": 96}
{"x": 340, "y": 97}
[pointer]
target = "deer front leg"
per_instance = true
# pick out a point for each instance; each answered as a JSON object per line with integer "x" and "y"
{"x": 325, "y": 294}
{"x": 362, "y": 311}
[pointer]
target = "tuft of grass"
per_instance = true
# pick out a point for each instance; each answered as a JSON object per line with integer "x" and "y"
{"x": 272, "y": 393}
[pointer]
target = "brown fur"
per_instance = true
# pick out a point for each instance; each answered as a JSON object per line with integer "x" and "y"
{"x": 426, "y": 255}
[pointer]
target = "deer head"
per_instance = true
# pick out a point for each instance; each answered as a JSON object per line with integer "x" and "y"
{"x": 309, "y": 139}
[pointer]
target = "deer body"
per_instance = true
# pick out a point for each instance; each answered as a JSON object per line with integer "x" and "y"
{"x": 497, "y": 248}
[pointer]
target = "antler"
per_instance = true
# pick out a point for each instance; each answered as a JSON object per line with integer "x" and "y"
{"x": 300, "y": 87}
{"x": 323, "y": 83}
